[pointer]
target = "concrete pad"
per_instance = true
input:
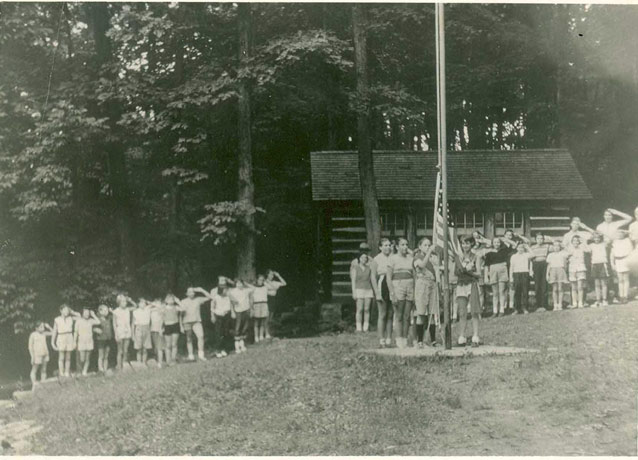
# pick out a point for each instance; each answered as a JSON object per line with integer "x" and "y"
{"x": 455, "y": 352}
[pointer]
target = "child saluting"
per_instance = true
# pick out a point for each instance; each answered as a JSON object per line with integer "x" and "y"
{"x": 39, "y": 352}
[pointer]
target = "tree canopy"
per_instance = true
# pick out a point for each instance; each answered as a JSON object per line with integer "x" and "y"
{"x": 119, "y": 141}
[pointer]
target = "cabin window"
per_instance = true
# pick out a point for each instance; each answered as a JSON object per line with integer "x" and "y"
{"x": 393, "y": 223}
{"x": 469, "y": 221}
{"x": 424, "y": 223}
{"x": 508, "y": 220}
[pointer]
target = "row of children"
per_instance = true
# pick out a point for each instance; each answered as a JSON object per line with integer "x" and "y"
{"x": 156, "y": 325}
{"x": 406, "y": 284}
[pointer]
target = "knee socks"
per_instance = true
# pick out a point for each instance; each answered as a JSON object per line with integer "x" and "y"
{"x": 420, "y": 329}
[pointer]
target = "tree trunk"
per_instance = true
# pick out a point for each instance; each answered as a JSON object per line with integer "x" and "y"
{"x": 246, "y": 187}
{"x": 174, "y": 228}
{"x": 118, "y": 180}
{"x": 366, "y": 166}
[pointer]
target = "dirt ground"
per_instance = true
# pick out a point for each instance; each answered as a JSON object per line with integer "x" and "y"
{"x": 327, "y": 396}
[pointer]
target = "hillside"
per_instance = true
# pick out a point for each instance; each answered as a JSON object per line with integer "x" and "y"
{"x": 326, "y": 396}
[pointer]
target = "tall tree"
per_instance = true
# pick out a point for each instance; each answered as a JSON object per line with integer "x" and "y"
{"x": 246, "y": 186}
{"x": 364, "y": 142}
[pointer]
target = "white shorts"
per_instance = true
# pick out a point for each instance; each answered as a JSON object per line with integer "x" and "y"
{"x": 621, "y": 265}
{"x": 65, "y": 342}
{"x": 85, "y": 343}
{"x": 364, "y": 294}
{"x": 196, "y": 327}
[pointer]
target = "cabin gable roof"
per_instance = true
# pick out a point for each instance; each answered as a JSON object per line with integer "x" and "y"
{"x": 472, "y": 175}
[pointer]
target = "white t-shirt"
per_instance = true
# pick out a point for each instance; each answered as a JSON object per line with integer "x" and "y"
{"x": 142, "y": 316}
{"x": 242, "y": 299}
{"x": 610, "y": 229}
{"x": 122, "y": 319}
{"x": 85, "y": 327}
{"x": 220, "y": 305}
{"x": 273, "y": 286}
{"x": 260, "y": 294}
{"x": 381, "y": 262}
{"x": 622, "y": 248}
{"x": 64, "y": 324}
{"x": 557, "y": 259}
{"x": 192, "y": 310}
{"x": 519, "y": 263}
{"x": 598, "y": 253}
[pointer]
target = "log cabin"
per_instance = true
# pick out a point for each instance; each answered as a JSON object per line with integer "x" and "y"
{"x": 528, "y": 191}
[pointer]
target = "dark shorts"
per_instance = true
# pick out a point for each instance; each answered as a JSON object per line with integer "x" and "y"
{"x": 171, "y": 329}
{"x": 600, "y": 271}
{"x": 385, "y": 292}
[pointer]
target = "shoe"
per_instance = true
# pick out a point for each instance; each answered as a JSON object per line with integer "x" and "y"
{"x": 224, "y": 354}
{"x": 219, "y": 355}
{"x": 202, "y": 357}
{"x": 525, "y": 312}
{"x": 558, "y": 308}
{"x": 595, "y": 304}
{"x": 268, "y": 336}
{"x": 191, "y": 358}
{"x": 605, "y": 303}
{"x": 419, "y": 345}
{"x": 462, "y": 341}
{"x": 242, "y": 345}
{"x": 475, "y": 341}
{"x": 257, "y": 339}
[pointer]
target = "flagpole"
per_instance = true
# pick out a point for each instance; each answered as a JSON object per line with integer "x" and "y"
{"x": 442, "y": 142}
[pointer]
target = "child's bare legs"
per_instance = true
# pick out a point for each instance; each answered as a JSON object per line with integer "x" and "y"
{"x": 67, "y": 363}
{"x": 359, "y": 314}
{"x": 598, "y": 284}
{"x": 174, "y": 338}
{"x": 139, "y": 355}
{"x": 407, "y": 314}
{"x": 366, "y": 314}
{"x": 623, "y": 285}
{"x": 267, "y": 324}
{"x": 511, "y": 294}
{"x": 580, "y": 285}
{"x": 85, "y": 358}
{"x": 144, "y": 353}
{"x": 502, "y": 295}
{"x": 574, "y": 300}
{"x": 34, "y": 375}
{"x": 462, "y": 303}
{"x": 159, "y": 352}
{"x": 189, "y": 343}
{"x": 61, "y": 361}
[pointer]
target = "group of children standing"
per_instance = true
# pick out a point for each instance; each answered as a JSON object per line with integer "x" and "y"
{"x": 156, "y": 325}
{"x": 406, "y": 284}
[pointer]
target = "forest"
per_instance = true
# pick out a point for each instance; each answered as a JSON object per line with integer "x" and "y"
{"x": 121, "y": 133}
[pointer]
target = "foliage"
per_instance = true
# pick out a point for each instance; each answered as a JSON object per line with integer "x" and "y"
{"x": 107, "y": 171}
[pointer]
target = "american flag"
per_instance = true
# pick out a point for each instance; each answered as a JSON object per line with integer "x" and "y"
{"x": 437, "y": 235}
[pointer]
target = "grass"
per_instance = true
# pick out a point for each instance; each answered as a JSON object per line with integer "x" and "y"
{"x": 325, "y": 395}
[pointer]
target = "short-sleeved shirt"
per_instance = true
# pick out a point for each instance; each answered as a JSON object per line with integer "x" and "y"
{"x": 401, "y": 264}
{"x": 242, "y": 299}
{"x": 557, "y": 259}
{"x": 220, "y": 305}
{"x": 38, "y": 344}
{"x": 84, "y": 327}
{"x": 622, "y": 248}
{"x": 64, "y": 324}
{"x": 498, "y": 257}
{"x": 260, "y": 294}
{"x": 577, "y": 257}
{"x": 598, "y": 253}
{"x": 540, "y": 252}
{"x": 192, "y": 310}
{"x": 106, "y": 326}
{"x": 381, "y": 263}
{"x": 273, "y": 286}
{"x": 142, "y": 316}
{"x": 429, "y": 271}
{"x": 171, "y": 314}
{"x": 157, "y": 319}
{"x": 519, "y": 263}
{"x": 609, "y": 230}
{"x": 122, "y": 319}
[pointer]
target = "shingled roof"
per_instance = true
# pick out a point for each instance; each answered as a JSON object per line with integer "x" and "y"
{"x": 473, "y": 175}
